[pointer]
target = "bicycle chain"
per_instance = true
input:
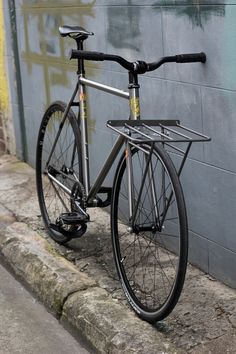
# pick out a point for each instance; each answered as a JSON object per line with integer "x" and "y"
{"x": 78, "y": 190}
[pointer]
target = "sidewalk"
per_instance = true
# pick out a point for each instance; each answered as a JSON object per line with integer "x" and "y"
{"x": 79, "y": 285}
{"x": 26, "y": 327}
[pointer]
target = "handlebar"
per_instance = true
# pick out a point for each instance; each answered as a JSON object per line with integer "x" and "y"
{"x": 139, "y": 67}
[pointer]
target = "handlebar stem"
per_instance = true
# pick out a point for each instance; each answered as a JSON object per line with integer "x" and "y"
{"x": 134, "y": 95}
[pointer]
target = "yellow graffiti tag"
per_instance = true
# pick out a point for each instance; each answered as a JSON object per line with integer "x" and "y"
{"x": 3, "y": 77}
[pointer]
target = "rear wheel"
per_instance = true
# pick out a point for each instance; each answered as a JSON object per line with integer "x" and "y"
{"x": 150, "y": 248}
{"x": 63, "y": 168}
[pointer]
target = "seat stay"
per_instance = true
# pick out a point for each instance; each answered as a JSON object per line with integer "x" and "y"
{"x": 62, "y": 122}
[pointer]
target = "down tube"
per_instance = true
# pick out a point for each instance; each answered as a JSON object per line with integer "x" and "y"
{"x": 106, "y": 167}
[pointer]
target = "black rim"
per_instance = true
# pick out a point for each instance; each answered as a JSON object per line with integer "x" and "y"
{"x": 64, "y": 164}
{"x": 151, "y": 260}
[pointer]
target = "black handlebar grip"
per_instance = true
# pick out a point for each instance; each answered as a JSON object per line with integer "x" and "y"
{"x": 82, "y": 54}
{"x": 191, "y": 58}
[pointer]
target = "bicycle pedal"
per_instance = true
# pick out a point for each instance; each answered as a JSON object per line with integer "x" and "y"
{"x": 71, "y": 233}
{"x": 73, "y": 218}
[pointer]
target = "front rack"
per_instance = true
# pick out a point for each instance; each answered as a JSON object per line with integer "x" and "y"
{"x": 166, "y": 132}
{"x": 142, "y": 131}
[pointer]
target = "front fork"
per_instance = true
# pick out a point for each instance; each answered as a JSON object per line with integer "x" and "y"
{"x": 134, "y": 195}
{"x": 130, "y": 178}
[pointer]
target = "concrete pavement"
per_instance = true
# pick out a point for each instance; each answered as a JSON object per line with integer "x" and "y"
{"x": 78, "y": 282}
{"x": 25, "y": 325}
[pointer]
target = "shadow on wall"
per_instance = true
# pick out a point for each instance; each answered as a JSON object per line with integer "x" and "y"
{"x": 123, "y": 26}
{"x": 197, "y": 14}
{"x": 124, "y": 21}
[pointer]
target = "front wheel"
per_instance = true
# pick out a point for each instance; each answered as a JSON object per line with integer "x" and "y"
{"x": 150, "y": 247}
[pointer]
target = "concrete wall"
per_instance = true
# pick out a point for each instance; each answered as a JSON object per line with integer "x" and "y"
{"x": 203, "y": 97}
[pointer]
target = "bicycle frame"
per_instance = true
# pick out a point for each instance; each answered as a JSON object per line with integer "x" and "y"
{"x": 133, "y": 97}
{"x": 80, "y": 90}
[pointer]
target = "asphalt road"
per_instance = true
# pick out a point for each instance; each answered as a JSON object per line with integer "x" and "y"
{"x": 25, "y": 325}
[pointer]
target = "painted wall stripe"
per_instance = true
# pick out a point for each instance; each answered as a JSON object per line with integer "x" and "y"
{"x": 4, "y": 98}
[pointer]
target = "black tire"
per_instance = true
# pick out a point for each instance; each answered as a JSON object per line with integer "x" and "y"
{"x": 151, "y": 264}
{"x": 52, "y": 198}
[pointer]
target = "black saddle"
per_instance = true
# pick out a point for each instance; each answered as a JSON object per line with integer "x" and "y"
{"x": 75, "y": 32}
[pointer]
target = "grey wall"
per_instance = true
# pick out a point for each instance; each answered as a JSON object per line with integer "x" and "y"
{"x": 203, "y": 97}
{"x": 15, "y": 120}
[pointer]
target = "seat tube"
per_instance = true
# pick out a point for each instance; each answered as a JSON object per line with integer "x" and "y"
{"x": 84, "y": 135}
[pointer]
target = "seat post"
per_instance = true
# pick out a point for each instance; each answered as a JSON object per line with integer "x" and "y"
{"x": 80, "y": 46}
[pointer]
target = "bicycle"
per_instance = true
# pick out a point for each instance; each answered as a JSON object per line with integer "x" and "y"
{"x": 148, "y": 214}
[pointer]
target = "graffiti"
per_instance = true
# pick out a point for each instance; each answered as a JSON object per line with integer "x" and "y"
{"x": 44, "y": 47}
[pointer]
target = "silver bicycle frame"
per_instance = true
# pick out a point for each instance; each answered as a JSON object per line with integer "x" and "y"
{"x": 91, "y": 193}
{"x": 133, "y": 97}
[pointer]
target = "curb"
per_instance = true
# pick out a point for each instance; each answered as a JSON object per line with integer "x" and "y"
{"x": 75, "y": 298}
